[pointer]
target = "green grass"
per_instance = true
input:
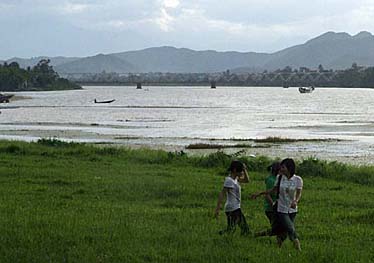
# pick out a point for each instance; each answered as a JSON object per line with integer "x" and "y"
{"x": 67, "y": 202}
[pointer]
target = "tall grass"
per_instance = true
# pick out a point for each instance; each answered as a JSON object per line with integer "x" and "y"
{"x": 62, "y": 202}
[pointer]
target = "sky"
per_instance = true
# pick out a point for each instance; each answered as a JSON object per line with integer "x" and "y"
{"x": 30, "y": 28}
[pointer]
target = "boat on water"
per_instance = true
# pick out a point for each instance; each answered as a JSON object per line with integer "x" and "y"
{"x": 309, "y": 89}
{"x": 5, "y": 98}
{"x": 103, "y": 101}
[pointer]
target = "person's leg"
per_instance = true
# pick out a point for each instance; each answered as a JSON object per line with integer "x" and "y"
{"x": 230, "y": 222}
{"x": 267, "y": 232}
{"x": 287, "y": 221}
{"x": 236, "y": 218}
{"x": 279, "y": 229}
{"x": 244, "y": 227}
{"x": 296, "y": 240}
{"x": 270, "y": 216}
{"x": 276, "y": 226}
{"x": 288, "y": 224}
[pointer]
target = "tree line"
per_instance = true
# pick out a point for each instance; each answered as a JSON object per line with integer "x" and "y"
{"x": 353, "y": 77}
{"x": 40, "y": 77}
{"x": 43, "y": 77}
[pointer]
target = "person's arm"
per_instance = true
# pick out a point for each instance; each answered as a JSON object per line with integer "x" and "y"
{"x": 269, "y": 199}
{"x": 269, "y": 182}
{"x": 299, "y": 188}
{"x": 221, "y": 196}
{"x": 244, "y": 178}
{"x": 297, "y": 198}
{"x": 267, "y": 192}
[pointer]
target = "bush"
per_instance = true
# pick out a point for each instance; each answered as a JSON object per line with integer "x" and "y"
{"x": 337, "y": 171}
{"x": 214, "y": 160}
{"x": 55, "y": 143}
{"x": 14, "y": 149}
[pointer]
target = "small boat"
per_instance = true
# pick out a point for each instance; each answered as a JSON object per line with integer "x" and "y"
{"x": 104, "y": 101}
{"x": 138, "y": 85}
{"x": 213, "y": 85}
{"x": 309, "y": 89}
{"x": 5, "y": 98}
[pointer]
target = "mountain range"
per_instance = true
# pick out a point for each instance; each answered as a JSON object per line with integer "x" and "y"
{"x": 331, "y": 50}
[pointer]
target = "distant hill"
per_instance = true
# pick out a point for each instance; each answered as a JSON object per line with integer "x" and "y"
{"x": 96, "y": 64}
{"x": 183, "y": 60}
{"x": 55, "y": 61}
{"x": 331, "y": 50}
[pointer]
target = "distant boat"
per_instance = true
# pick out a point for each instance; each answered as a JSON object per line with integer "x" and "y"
{"x": 5, "y": 98}
{"x": 104, "y": 101}
{"x": 213, "y": 85}
{"x": 138, "y": 85}
{"x": 309, "y": 89}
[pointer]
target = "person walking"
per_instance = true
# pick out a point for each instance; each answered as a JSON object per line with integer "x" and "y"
{"x": 289, "y": 187}
{"x": 231, "y": 189}
{"x": 270, "y": 198}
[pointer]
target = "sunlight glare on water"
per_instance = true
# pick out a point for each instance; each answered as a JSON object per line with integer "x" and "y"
{"x": 197, "y": 112}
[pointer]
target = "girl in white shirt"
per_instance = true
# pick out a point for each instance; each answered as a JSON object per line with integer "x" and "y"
{"x": 290, "y": 188}
{"x": 231, "y": 188}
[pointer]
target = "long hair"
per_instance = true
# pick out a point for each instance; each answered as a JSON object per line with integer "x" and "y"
{"x": 290, "y": 164}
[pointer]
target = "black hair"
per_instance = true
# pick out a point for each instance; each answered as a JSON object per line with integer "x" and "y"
{"x": 236, "y": 166}
{"x": 274, "y": 168}
{"x": 290, "y": 164}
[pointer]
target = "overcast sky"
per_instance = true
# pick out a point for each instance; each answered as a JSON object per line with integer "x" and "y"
{"x": 30, "y": 28}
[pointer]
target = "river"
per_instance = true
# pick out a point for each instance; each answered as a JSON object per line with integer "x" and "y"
{"x": 174, "y": 117}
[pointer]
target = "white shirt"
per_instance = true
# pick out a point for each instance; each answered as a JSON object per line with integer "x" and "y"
{"x": 233, "y": 194}
{"x": 287, "y": 192}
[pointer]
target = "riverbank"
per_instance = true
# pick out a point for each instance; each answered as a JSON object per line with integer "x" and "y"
{"x": 344, "y": 151}
{"x": 79, "y": 203}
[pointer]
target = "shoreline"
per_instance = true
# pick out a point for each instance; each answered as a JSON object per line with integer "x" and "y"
{"x": 343, "y": 151}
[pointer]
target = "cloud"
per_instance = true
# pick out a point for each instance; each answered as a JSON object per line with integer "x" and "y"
{"x": 272, "y": 34}
{"x": 243, "y": 25}
{"x": 159, "y": 18}
{"x": 72, "y": 8}
{"x": 164, "y": 20}
{"x": 363, "y": 17}
{"x": 171, "y": 3}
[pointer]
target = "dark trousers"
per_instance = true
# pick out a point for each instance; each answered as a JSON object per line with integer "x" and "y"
{"x": 275, "y": 229}
{"x": 285, "y": 225}
{"x": 271, "y": 216}
{"x": 234, "y": 218}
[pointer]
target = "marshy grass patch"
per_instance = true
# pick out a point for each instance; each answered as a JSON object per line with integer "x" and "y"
{"x": 216, "y": 146}
{"x": 290, "y": 140}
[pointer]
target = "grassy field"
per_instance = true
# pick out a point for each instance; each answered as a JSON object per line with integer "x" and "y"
{"x": 64, "y": 202}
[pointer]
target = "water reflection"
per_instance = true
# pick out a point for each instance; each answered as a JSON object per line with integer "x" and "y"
{"x": 177, "y": 115}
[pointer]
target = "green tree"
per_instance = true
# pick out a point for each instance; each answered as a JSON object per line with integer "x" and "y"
{"x": 43, "y": 74}
{"x": 40, "y": 77}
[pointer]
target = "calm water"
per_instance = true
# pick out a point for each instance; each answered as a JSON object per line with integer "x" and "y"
{"x": 181, "y": 115}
